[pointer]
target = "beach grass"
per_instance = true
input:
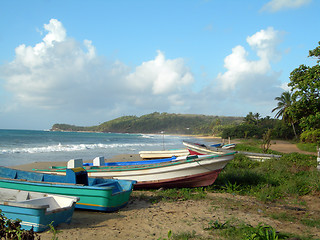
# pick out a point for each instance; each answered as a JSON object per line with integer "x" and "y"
{"x": 292, "y": 175}
{"x": 308, "y": 147}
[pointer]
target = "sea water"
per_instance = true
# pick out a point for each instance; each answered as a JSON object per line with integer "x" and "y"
{"x": 27, "y": 146}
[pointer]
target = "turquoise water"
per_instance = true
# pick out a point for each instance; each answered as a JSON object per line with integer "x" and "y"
{"x": 27, "y": 146}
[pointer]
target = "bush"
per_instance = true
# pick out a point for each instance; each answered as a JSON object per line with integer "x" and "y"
{"x": 11, "y": 229}
{"x": 311, "y": 136}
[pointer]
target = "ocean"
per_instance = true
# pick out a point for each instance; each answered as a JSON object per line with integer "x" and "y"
{"x": 19, "y": 147}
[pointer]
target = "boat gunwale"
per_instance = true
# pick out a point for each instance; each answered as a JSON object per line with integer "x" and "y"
{"x": 56, "y": 184}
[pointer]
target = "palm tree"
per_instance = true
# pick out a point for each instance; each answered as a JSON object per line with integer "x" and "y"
{"x": 285, "y": 101}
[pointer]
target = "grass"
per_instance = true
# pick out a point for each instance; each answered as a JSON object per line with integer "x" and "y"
{"x": 171, "y": 195}
{"x": 235, "y": 229}
{"x": 308, "y": 147}
{"x": 292, "y": 175}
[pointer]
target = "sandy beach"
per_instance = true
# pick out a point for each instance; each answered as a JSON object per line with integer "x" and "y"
{"x": 142, "y": 219}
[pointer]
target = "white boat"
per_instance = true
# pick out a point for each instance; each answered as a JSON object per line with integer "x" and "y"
{"x": 202, "y": 149}
{"x": 192, "y": 171}
{"x": 163, "y": 154}
{"x": 35, "y": 209}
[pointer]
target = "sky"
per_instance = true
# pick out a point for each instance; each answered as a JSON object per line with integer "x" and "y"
{"x": 86, "y": 62}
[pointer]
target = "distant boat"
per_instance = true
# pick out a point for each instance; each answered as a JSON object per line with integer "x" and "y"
{"x": 191, "y": 171}
{"x": 229, "y": 146}
{"x": 35, "y": 209}
{"x": 216, "y": 145}
{"x": 163, "y": 154}
{"x": 202, "y": 149}
{"x": 95, "y": 194}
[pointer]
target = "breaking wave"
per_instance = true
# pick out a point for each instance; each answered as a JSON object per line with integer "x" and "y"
{"x": 73, "y": 147}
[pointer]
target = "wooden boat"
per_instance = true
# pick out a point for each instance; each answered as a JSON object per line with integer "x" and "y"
{"x": 193, "y": 171}
{"x": 163, "y": 154}
{"x": 202, "y": 149}
{"x": 95, "y": 194}
{"x": 35, "y": 209}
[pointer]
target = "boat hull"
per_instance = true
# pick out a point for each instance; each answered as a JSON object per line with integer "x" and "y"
{"x": 196, "y": 180}
{"x": 39, "y": 211}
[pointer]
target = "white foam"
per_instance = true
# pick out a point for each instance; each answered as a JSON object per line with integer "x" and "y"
{"x": 74, "y": 147}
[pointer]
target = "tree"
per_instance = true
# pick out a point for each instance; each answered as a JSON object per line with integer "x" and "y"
{"x": 252, "y": 118}
{"x": 284, "y": 102}
{"x": 305, "y": 85}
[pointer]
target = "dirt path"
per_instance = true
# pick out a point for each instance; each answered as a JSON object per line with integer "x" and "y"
{"x": 286, "y": 147}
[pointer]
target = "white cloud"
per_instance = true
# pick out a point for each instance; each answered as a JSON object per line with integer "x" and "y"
{"x": 240, "y": 70}
{"x": 67, "y": 81}
{"x": 161, "y": 76}
{"x": 63, "y": 75}
{"x": 285, "y": 87}
{"x": 248, "y": 84}
{"x": 278, "y": 5}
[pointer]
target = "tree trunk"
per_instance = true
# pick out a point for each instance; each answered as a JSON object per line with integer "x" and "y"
{"x": 294, "y": 130}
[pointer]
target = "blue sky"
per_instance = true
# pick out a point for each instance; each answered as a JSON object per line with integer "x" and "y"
{"x": 87, "y": 62}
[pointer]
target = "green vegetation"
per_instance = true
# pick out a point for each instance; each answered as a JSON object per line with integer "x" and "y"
{"x": 292, "y": 175}
{"x": 308, "y": 147}
{"x": 181, "y": 236}
{"x": 11, "y": 229}
{"x": 171, "y": 195}
{"x": 158, "y": 122}
{"x": 234, "y": 229}
{"x": 304, "y": 108}
{"x": 305, "y": 85}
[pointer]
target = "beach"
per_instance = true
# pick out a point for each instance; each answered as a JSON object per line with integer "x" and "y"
{"x": 142, "y": 219}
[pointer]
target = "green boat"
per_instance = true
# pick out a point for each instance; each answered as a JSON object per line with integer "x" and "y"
{"x": 95, "y": 194}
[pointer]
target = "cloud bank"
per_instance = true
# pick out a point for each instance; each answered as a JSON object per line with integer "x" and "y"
{"x": 67, "y": 79}
{"x": 61, "y": 73}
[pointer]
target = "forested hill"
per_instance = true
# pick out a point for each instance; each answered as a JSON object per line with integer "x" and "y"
{"x": 156, "y": 123}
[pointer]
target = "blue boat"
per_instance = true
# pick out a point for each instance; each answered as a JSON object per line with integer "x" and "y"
{"x": 95, "y": 194}
{"x": 99, "y": 161}
{"x": 36, "y": 210}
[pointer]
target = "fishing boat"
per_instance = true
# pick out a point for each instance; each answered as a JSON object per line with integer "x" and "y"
{"x": 191, "y": 171}
{"x": 202, "y": 149}
{"x": 36, "y": 210}
{"x": 163, "y": 154}
{"x": 95, "y": 194}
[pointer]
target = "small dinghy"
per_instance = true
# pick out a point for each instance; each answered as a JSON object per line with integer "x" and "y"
{"x": 35, "y": 209}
